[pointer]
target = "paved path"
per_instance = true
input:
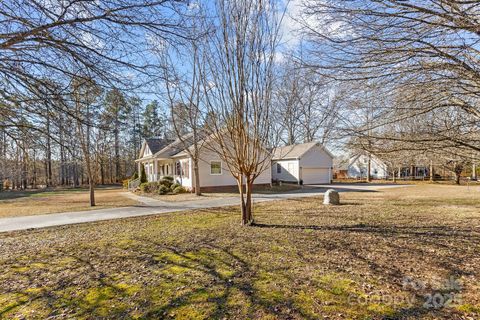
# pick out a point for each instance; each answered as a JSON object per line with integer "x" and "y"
{"x": 151, "y": 206}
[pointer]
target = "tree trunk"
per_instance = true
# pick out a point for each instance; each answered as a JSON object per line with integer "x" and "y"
{"x": 369, "y": 169}
{"x": 34, "y": 178}
{"x": 102, "y": 170}
{"x": 3, "y": 159}
{"x": 62, "y": 166}
{"x": 24, "y": 170}
{"x": 91, "y": 182}
{"x": 49, "y": 153}
{"x": 248, "y": 203}
{"x": 92, "y": 192}
{"x": 243, "y": 206}
{"x": 394, "y": 176}
{"x": 76, "y": 176}
{"x": 457, "y": 178}
{"x": 457, "y": 169}
{"x": 110, "y": 166}
{"x": 431, "y": 171}
{"x": 196, "y": 172}
{"x": 117, "y": 152}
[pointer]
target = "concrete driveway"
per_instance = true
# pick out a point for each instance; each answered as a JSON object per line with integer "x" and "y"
{"x": 151, "y": 206}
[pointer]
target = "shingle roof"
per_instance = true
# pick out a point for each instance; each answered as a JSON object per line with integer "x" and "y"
{"x": 172, "y": 149}
{"x": 157, "y": 144}
{"x": 179, "y": 147}
{"x": 292, "y": 151}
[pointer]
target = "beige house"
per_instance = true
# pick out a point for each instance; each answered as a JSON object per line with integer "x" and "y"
{"x": 305, "y": 163}
{"x": 358, "y": 166}
{"x": 163, "y": 157}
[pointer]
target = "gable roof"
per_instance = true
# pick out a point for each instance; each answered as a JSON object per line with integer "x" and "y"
{"x": 178, "y": 147}
{"x": 373, "y": 158}
{"x": 295, "y": 151}
{"x": 156, "y": 144}
{"x": 172, "y": 149}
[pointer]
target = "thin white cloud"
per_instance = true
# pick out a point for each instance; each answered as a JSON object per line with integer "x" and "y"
{"x": 90, "y": 40}
{"x": 290, "y": 27}
{"x": 297, "y": 22}
{"x": 156, "y": 43}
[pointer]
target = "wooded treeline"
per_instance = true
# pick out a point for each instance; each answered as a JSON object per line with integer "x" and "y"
{"x": 46, "y": 150}
{"x": 69, "y": 70}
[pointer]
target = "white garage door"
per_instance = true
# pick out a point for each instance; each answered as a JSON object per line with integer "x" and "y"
{"x": 315, "y": 175}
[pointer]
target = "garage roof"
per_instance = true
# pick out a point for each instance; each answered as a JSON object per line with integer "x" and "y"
{"x": 295, "y": 151}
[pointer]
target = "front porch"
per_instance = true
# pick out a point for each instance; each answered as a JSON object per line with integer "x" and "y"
{"x": 413, "y": 172}
{"x": 156, "y": 169}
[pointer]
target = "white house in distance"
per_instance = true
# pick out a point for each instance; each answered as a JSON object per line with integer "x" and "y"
{"x": 358, "y": 165}
{"x": 163, "y": 157}
{"x": 307, "y": 163}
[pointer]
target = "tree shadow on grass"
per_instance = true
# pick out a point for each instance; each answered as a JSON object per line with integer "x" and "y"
{"x": 433, "y": 231}
{"x": 53, "y": 295}
{"x": 239, "y": 281}
{"x": 201, "y": 275}
{"x": 430, "y": 247}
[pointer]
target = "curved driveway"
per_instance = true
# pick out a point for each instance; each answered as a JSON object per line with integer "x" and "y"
{"x": 151, "y": 206}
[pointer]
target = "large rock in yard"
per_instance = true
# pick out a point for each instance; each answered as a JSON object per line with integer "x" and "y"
{"x": 331, "y": 197}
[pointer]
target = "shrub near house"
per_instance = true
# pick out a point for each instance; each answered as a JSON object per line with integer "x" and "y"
{"x": 164, "y": 186}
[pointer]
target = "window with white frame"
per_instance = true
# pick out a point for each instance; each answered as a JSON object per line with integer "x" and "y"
{"x": 178, "y": 168}
{"x": 186, "y": 169}
{"x": 215, "y": 167}
{"x": 279, "y": 168}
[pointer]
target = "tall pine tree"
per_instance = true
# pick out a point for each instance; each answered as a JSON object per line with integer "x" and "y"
{"x": 154, "y": 121}
{"x": 116, "y": 111}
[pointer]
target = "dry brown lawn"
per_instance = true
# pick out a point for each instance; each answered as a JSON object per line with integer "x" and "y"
{"x": 22, "y": 203}
{"x": 406, "y": 253}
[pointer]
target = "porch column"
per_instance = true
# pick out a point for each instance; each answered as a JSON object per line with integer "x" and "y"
{"x": 139, "y": 168}
{"x": 155, "y": 169}
{"x": 151, "y": 171}
{"x": 147, "y": 170}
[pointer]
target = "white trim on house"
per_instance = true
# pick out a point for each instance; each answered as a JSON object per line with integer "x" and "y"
{"x": 308, "y": 163}
{"x": 221, "y": 168}
{"x": 357, "y": 167}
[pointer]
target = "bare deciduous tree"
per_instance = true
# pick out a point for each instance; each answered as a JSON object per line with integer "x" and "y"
{"x": 85, "y": 94}
{"x": 422, "y": 55}
{"x": 185, "y": 95}
{"x": 306, "y": 105}
{"x": 240, "y": 59}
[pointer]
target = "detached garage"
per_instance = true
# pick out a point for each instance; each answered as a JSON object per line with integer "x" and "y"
{"x": 307, "y": 163}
